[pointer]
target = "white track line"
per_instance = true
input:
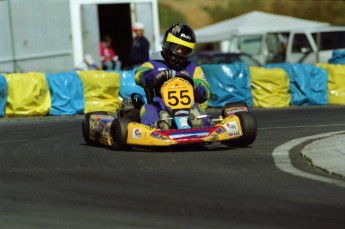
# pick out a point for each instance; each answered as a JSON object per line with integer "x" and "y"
{"x": 289, "y": 127}
{"x": 282, "y": 159}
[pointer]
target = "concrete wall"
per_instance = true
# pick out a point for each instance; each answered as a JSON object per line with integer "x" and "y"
{"x": 40, "y": 38}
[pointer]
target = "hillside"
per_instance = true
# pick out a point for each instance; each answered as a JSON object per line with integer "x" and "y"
{"x": 200, "y": 13}
{"x": 193, "y": 11}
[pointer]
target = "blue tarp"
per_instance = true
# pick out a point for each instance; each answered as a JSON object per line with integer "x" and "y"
{"x": 67, "y": 93}
{"x": 128, "y": 85}
{"x": 338, "y": 57}
{"x": 308, "y": 83}
{"x": 228, "y": 83}
{"x": 3, "y": 95}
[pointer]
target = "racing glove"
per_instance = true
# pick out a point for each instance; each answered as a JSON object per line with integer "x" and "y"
{"x": 200, "y": 94}
{"x": 164, "y": 75}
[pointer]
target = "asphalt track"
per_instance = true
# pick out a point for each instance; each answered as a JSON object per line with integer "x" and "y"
{"x": 50, "y": 179}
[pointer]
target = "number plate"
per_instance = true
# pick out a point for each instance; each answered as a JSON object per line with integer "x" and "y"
{"x": 177, "y": 93}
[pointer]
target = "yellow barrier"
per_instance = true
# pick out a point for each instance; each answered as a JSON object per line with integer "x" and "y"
{"x": 336, "y": 82}
{"x": 101, "y": 90}
{"x": 28, "y": 95}
{"x": 270, "y": 87}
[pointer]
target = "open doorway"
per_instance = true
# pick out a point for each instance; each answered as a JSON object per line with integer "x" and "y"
{"x": 115, "y": 21}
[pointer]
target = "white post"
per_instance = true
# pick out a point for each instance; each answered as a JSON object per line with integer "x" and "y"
{"x": 157, "y": 42}
{"x": 77, "y": 39}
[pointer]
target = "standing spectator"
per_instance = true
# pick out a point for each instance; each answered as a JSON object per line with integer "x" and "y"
{"x": 140, "y": 46}
{"x": 107, "y": 54}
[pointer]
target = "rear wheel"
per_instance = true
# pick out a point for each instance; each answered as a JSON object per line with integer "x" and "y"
{"x": 86, "y": 127}
{"x": 249, "y": 129}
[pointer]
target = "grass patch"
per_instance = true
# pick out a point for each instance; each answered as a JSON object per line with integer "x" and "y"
{"x": 169, "y": 16}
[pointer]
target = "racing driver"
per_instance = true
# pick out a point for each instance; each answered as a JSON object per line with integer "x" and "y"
{"x": 178, "y": 44}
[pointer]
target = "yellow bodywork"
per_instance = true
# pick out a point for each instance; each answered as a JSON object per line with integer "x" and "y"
{"x": 139, "y": 134}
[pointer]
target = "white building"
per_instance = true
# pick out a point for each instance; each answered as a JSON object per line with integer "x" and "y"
{"x": 53, "y": 36}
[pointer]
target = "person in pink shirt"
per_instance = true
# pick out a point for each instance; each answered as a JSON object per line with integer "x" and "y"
{"x": 107, "y": 54}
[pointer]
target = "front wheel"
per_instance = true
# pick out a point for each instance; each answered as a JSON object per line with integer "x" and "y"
{"x": 234, "y": 107}
{"x": 118, "y": 133}
{"x": 249, "y": 129}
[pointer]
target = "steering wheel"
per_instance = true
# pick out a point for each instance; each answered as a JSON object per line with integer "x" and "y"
{"x": 183, "y": 76}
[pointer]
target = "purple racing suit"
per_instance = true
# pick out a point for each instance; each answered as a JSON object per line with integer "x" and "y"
{"x": 145, "y": 77}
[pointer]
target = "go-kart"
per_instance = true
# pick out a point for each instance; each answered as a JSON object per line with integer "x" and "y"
{"x": 181, "y": 124}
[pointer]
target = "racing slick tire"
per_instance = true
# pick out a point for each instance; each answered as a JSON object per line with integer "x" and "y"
{"x": 118, "y": 134}
{"x": 240, "y": 105}
{"x": 249, "y": 129}
{"x": 86, "y": 127}
{"x": 119, "y": 129}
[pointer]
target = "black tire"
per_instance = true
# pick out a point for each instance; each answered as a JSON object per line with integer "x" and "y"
{"x": 249, "y": 129}
{"x": 132, "y": 114}
{"x": 233, "y": 105}
{"x": 86, "y": 127}
{"x": 119, "y": 128}
{"x": 119, "y": 132}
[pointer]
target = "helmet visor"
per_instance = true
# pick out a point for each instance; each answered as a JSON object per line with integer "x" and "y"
{"x": 180, "y": 50}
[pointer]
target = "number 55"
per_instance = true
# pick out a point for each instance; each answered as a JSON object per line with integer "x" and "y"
{"x": 183, "y": 98}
